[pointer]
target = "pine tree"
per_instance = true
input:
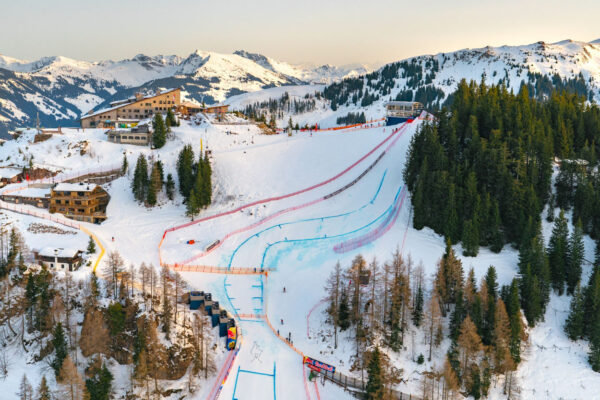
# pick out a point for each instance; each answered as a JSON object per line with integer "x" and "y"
{"x": 575, "y": 253}
{"x": 557, "y": 252}
{"x": 60, "y": 348}
{"x": 374, "y": 389}
{"x": 470, "y": 238}
{"x": 43, "y": 391}
{"x": 575, "y": 324}
{"x": 91, "y": 248}
{"x": 594, "y": 354}
{"x": 159, "y": 137}
{"x": 170, "y": 119}
{"x": 99, "y": 384}
{"x": 170, "y": 187}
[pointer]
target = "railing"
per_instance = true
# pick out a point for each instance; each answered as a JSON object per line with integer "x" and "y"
{"x": 349, "y": 382}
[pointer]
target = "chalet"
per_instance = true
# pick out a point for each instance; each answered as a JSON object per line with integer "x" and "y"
{"x": 401, "y": 111}
{"x": 79, "y": 201}
{"x": 10, "y": 175}
{"x": 187, "y": 108}
{"x": 38, "y": 197}
{"x": 139, "y": 135}
{"x": 60, "y": 259}
{"x": 133, "y": 109}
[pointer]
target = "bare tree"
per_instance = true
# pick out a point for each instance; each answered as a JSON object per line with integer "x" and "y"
{"x": 113, "y": 269}
{"x": 71, "y": 380}
{"x": 333, "y": 289}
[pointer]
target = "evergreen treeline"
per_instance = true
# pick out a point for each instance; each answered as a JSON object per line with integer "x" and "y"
{"x": 277, "y": 108}
{"x": 146, "y": 187}
{"x": 195, "y": 180}
{"x": 352, "y": 118}
{"x": 487, "y": 163}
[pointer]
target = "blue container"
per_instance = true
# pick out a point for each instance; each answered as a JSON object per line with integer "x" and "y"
{"x": 394, "y": 120}
{"x": 196, "y": 300}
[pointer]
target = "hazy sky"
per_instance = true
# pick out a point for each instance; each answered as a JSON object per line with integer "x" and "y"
{"x": 321, "y": 31}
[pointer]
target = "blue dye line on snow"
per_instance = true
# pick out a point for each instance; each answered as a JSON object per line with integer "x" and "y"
{"x": 308, "y": 220}
{"x": 255, "y": 373}
{"x": 382, "y": 215}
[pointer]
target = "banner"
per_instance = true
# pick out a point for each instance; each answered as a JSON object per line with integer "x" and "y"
{"x": 318, "y": 364}
{"x": 231, "y": 338}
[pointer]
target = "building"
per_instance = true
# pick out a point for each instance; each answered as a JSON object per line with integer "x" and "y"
{"x": 188, "y": 108}
{"x": 401, "y": 111}
{"x": 80, "y": 201}
{"x": 38, "y": 197}
{"x": 139, "y": 135}
{"x": 59, "y": 258}
{"x": 133, "y": 109}
{"x": 10, "y": 175}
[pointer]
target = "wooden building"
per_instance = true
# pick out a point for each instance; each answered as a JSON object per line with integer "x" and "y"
{"x": 38, "y": 197}
{"x": 60, "y": 259}
{"x": 187, "y": 108}
{"x": 133, "y": 109}
{"x": 10, "y": 175}
{"x": 80, "y": 201}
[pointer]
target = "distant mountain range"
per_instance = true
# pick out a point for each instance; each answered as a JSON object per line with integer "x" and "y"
{"x": 61, "y": 89}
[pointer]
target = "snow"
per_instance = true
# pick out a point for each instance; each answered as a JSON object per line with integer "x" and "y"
{"x": 295, "y": 237}
{"x": 9, "y": 172}
{"x": 85, "y": 101}
{"x": 59, "y": 252}
{"x": 75, "y": 187}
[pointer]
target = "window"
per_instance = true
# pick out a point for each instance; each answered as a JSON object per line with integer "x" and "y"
{"x": 51, "y": 265}
{"x": 62, "y": 266}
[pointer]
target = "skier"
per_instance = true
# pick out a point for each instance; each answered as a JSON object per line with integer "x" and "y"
{"x": 284, "y": 289}
{"x": 113, "y": 238}
{"x": 281, "y": 321}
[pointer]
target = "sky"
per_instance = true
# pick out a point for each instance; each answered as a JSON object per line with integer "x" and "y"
{"x": 318, "y": 31}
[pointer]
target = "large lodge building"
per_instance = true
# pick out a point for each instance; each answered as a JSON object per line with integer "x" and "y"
{"x": 133, "y": 109}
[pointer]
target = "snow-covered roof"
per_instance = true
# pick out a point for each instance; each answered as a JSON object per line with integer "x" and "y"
{"x": 123, "y": 103}
{"x": 75, "y": 187}
{"x": 58, "y": 252}
{"x": 9, "y": 172}
{"x": 401, "y": 103}
{"x": 32, "y": 192}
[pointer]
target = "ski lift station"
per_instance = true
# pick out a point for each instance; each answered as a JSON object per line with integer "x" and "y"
{"x": 401, "y": 111}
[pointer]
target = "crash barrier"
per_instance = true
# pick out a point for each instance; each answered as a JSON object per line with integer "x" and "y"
{"x": 298, "y": 207}
{"x": 276, "y": 198}
{"x": 349, "y": 382}
{"x": 58, "y": 220}
{"x": 385, "y": 226}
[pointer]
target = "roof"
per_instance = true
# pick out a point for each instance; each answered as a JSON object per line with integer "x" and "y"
{"x": 401, "y": 103}
{"x": 127, "y": 102}
{"x": 9, "y": 172}
{"x": 31, "y": 192}
{"x": 58, "y": 252}
{"x": 75, "y": 187}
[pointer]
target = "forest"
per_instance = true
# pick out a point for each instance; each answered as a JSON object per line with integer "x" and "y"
{"x": 82, "y": 329}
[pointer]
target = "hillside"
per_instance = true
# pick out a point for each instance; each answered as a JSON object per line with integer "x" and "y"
{"x": 430, "y": 79}
{"x": 61, "y": 89}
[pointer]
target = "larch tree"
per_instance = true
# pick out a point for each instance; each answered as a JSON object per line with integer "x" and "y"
{"x": 432, "y": 321}
{"x": 113, "y": 269}
{"x": 25, "y": 389}
{"x": 333, "y": 290}
{"x": 469, "y": 344}
{"x": 43, "y": 391}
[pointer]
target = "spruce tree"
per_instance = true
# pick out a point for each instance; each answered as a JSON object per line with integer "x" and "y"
{"x": 574, "y": 258}
{"x": 417, "y": 313}
{"x": 140, "y": 182}
{"x": 575, "y": 324}
{"x": 159, "y": 136}
{"x": 192, "y": 205}
{"x": 344, "y": 311}
{"x": 170, "y": 187}
{"x": 557, "y": 252}
{"x": 375, "y": 382}
{"x": 470, "y": 238}
{"x": 185, "y": 170}
{"x": 124, "y": 165}
{"x": 91, "y": 247}
{"x": 60, "y": 348}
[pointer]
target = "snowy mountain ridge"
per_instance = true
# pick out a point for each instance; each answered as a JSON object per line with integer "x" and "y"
{"x": 61, "y": 88}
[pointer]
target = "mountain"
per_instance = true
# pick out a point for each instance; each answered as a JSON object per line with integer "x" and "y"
{"x": 61, "y": 89}
{"x": 543, "y": 67}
